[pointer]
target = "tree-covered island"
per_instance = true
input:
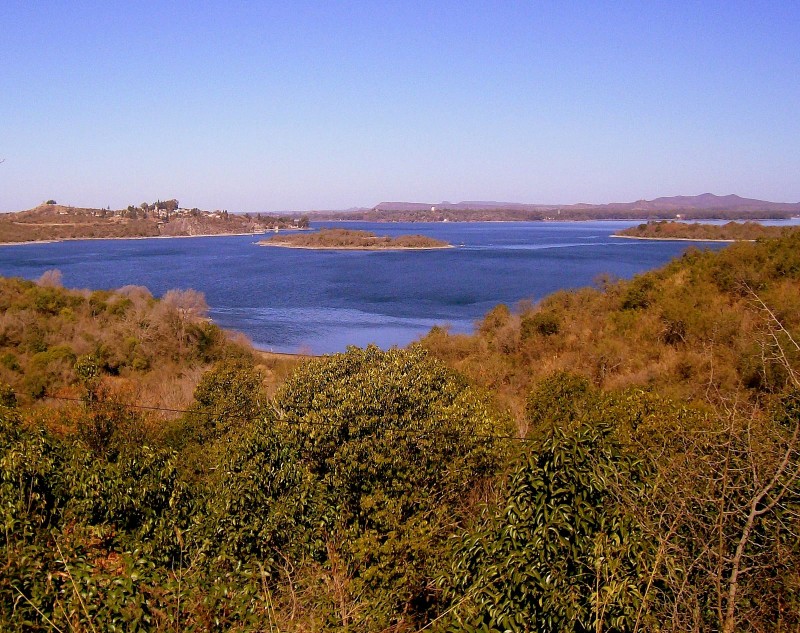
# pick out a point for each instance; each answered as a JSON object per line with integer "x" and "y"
{"x": 345, "y": 239}
{"x": 693, "y": 231}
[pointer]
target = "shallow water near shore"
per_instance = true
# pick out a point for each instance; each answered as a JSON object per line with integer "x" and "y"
{"x": 290, "y": 300}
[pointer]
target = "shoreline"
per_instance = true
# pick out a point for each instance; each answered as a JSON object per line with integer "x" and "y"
{"x": 266, "y": 354}
{"x": 355, "y": 248}
{"x": 137, "y": 237}
{"x": 676, "y": 239}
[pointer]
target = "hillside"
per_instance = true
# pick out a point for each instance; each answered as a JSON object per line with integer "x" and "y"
{"x": 57, "y": 222}
{"x": 695, "y": 231}
{"x": 148, "y": 351}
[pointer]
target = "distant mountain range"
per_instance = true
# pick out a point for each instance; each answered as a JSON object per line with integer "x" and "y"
{"x": 704, "y": 202}
{"x": 706, "y": 206}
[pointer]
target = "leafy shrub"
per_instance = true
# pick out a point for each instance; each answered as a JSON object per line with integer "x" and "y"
{"x": 544, "y": 323}
{"x": 559, "y": 553}
{"x": 557, "y": 399}
{"x": 396, "y": 443}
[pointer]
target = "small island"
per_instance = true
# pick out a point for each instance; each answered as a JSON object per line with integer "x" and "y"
{"x": 697, "y": 232}
{"x": 346, "y": 239}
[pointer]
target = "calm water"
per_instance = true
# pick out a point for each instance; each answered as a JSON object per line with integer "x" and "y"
{"x": 321, "y": 301}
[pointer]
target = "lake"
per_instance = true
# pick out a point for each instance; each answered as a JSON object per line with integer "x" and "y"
{"x": 288, "y": 300}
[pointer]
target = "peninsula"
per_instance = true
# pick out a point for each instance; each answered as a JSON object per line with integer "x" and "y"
{"x": 54, "y": 222}
{"x": 696, "y": 232}
{"x": 344, "y": 239}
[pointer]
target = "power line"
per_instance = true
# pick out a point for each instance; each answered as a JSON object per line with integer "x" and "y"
{"x": 241, "y": 418}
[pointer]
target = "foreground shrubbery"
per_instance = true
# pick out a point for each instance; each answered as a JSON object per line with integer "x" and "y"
{"x": 652, "y": 481}
{"x": 349, "y": 499}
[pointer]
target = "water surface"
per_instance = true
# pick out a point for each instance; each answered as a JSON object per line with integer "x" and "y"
{"x": 289, "y": 300}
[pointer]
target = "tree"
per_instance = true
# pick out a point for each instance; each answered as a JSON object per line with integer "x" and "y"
{"x": 50, "y": 279}
{"x": 559, "y": 552}
{"x": 189, "y": 306}
{"x": 397, "y": 444}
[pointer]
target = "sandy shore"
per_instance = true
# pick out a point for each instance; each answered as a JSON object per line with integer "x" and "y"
{"x": 267, "y": 355}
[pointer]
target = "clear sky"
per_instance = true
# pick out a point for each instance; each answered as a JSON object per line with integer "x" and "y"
{"x": 268, "y": 106}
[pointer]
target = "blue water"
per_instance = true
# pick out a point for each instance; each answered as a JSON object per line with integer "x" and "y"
{"x": 291, "y": 300}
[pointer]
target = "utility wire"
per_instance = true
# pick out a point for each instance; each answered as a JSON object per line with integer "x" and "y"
{"x": 240, "y": 418}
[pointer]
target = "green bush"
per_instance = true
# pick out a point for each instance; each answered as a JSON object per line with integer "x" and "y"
{"x": 559, "y": 552}
{"x": 396, "y": 443}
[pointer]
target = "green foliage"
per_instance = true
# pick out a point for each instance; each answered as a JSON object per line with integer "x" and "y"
{"x": 87, "y": 370}
{"x": 86, "y": 543}
{"x": 396, "y": 442}
{"x": 639, "y": 293}
{"x": 228, "y": 395}
{"x": 9, "y": 361}
{"x": 559, "y": 553}
{"x": 264, "y": 506}
{"x": 546, "y": 323}
{"x": 558, "y": 399}
{"x": 8, "y": 398}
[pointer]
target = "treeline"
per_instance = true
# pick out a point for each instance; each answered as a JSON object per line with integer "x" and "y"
{"x": 731, "y": 231}
{"x": 646, "y": 475}
{"x": 443, "y": 214}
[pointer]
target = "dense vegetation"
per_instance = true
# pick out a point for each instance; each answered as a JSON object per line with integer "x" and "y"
{"x": 694, "y": 368}
{"x": 729, "y": 232}
{"x": 148, "y": 351}
{"x": 51, "y": 221}
{"x": 330, "y": 508}
{"x": 646, "y": 477}
{"x": 345, "y": 239}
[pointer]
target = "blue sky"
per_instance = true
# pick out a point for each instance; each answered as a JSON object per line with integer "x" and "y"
{"x": 267, "y": 106}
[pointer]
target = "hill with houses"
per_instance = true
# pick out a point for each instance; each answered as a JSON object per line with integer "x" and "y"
{"x": 54, "y": 222}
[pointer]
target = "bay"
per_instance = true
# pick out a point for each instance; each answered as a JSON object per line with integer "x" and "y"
{"x": 290, "y": 300}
